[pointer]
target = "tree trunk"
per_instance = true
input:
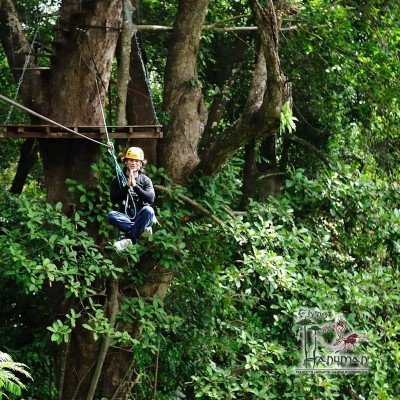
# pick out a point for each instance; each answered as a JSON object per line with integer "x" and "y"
{"x": 72, "y": 98}
{"x": 29, "y": 154}
{"x": 262, "y": 178}
{"x": 183, "y": 98}
{"x": 124, "y": 61}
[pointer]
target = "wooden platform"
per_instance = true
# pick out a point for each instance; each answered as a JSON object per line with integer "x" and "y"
{"x": 94, "y": 132}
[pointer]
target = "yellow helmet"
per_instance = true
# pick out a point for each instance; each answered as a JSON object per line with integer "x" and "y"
{"x": 135, "y": 153}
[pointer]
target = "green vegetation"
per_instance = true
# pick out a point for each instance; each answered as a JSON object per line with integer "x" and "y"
{"x": 226, "y": 328}
{"x": 10, "y": 383}
{"x": 330, "y": 240}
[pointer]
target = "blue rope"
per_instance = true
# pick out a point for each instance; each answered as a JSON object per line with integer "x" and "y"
{"x": 122, "y": 180}
{"x": 118, "y": 171}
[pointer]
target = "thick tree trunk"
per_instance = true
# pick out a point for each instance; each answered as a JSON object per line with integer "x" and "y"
{"x": 183, "y": 98}
{"x": 72, "y": 95}
{"x": 72, "y": 98}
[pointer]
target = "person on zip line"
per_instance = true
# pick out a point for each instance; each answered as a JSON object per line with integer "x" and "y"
{"x": 135, "y": 214}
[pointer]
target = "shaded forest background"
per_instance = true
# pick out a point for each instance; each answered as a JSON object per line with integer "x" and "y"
{"x": 277, "y": 189}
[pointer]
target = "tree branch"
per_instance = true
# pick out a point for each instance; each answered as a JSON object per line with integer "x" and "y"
{"x": 242, "y": 131}
{"x": 191, "y": 202}
{"x": 232, "y": 67}
{"x": 12, "y": 38}
{"x": 29, "y": 154}
{"x": 308, "y": 145}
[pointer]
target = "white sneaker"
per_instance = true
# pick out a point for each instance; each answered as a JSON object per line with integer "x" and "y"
{"x": 121, "y": 245}
{"x": 147, "y": 232}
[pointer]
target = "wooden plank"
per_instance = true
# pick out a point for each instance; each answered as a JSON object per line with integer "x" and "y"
{"x": 67, "y": 135}
{"x": 95, "y": 132}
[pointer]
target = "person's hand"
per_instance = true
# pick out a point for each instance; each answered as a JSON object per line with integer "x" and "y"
{"x": 131, "y": 180}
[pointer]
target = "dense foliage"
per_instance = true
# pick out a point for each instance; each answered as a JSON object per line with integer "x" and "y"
{"x": 352, "y": 106}
{"x": 329, "y": 241}
{"x": 226, "y": 329}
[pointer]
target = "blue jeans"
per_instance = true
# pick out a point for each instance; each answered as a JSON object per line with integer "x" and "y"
{"x": 132, "y": 229}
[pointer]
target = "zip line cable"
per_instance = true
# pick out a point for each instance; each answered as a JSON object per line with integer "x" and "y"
{"x": 34, "y": 113}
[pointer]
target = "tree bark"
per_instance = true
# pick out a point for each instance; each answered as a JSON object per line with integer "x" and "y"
{"x": 124, "y": 61}
{"x": 183, "y": 98}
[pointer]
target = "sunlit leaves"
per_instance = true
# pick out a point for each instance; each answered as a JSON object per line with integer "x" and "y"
{"x": 11, "y": 374}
